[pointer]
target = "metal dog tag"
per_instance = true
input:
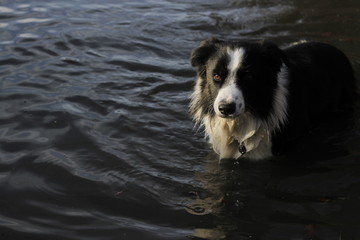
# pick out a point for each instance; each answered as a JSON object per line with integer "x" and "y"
{"x": 242, "y": 148}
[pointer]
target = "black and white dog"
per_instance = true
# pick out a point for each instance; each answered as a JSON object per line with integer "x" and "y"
{"x": 252, "y": 98}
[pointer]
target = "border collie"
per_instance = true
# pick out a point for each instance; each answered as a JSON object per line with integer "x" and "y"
{"x": 253, "y": 98}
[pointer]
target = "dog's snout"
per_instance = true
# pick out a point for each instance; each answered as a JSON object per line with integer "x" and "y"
{"x": 229, "y": 102}
{"x": 227, "y": 108}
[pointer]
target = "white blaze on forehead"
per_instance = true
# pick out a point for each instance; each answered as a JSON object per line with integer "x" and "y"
{"x": 236, "y": 57}
{"x": 230, "y": 92}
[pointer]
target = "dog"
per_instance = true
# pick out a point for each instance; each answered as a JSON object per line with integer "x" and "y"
{"x": 253, "y": 98}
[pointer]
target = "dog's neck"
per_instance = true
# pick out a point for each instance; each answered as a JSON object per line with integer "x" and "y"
{"x": 230, "y": 137}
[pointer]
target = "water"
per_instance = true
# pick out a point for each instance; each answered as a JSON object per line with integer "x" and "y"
{"x": 96, "y": 142}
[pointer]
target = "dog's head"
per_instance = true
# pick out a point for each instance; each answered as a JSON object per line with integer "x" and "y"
{"x": 234, "y": 77}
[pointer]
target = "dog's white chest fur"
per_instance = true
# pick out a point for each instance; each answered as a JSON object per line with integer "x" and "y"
{"x": 226, "y": 135}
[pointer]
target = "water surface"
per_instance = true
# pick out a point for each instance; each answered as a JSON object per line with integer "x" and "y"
{"x": 96, "y": 141}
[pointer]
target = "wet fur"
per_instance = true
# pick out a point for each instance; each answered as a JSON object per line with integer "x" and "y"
{"x": 284, "y": 92}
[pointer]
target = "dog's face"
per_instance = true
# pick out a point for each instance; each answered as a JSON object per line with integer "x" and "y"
{"x": 234, "y": 77}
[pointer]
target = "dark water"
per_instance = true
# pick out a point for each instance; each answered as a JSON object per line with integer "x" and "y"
{"x": 96, "y": 142}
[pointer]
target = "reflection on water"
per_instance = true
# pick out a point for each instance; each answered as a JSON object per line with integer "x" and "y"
{"x": 96, "y": 141}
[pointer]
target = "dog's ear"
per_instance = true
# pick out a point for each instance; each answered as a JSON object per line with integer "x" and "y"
{"x": 201, "y": 54}
{"x": 274, "y": 54}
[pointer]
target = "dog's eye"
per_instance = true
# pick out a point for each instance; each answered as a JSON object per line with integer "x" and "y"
{"x": 217, "y": 78}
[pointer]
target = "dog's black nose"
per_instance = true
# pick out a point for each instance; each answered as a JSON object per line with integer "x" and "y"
{"x": 227, "y": 109}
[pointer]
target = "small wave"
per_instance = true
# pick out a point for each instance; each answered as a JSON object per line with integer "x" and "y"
{"x": 34, "y": 20}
